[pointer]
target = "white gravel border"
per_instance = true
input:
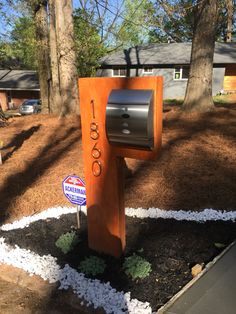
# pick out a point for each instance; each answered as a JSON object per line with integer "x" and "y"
{"x": 94, "y": 292}
{"x": 54, "y": 212}
{"x": 207, "y": 214}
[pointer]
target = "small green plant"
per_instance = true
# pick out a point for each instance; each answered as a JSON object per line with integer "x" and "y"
{"x": 220, "y": 245}
{"x": 92, "y": 265}
{"x": 67, "y": 241}
{"x": 136, "y": 267}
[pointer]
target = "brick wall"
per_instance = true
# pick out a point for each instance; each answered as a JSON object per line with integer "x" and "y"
{"x": 17, "y": 97}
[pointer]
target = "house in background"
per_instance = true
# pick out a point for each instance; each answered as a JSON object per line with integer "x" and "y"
{"x": 17, "y": 86}
{"x": 171, "y": 61}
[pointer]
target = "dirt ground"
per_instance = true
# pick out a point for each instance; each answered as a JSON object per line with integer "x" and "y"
{"x": 15, "y": 299}
{"x": 195, "y": 170}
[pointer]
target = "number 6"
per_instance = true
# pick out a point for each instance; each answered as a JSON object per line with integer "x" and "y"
{"x": 96, "y": 153}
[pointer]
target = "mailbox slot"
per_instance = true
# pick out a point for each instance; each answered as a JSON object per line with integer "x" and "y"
{"x": 129, "y": 118}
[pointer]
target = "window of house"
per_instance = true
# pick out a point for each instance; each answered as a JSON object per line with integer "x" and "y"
{"x": 181, "y": 73}
{"x": 147, "y": 70}
{"x": 119, "y": 72}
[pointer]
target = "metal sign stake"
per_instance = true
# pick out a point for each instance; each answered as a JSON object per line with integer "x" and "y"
{"x": 79, "y": 216}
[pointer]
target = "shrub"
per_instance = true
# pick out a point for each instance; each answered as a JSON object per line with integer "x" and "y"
{"x": 136, "y": 267}
{"x": 67, "y": 241}
{"x": 92, "y": 265}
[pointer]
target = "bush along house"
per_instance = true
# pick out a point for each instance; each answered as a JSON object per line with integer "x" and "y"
{"x": 172, "y": 61}
{"x": 17, "y": 86}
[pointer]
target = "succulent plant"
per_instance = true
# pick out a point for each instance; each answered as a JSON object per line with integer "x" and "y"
{"x": 67, "y": 241}
{"x": 136, "y": 267}
{"x": 92, "y": 265}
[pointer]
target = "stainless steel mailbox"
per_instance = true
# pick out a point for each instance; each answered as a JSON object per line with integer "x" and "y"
{"x": 129, "y": 118}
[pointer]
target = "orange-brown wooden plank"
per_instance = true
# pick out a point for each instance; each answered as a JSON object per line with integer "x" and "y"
{"x": 230, "y": 83}
{"x": 103, "y": 162}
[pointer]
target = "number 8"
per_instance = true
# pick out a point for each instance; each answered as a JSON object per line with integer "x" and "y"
{"x": 94, "y": 134}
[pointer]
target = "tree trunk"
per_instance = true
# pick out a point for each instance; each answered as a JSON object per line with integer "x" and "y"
{"x": 55, "y": 99}
{"x": 198, "y": 95}
{"x": 230, "y": 14}
{"x": 41, "y": 24}
{"x": 3, "y": 118}
{"x": 66, "y": 57}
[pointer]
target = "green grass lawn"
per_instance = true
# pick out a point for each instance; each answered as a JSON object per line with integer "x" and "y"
{"x": 219, "y": 99}
{"x": 225, "y": 99}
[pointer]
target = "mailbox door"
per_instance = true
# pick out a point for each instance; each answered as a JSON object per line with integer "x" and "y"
{"x": 129, "y": 118}
{"x": 127, "y": 124}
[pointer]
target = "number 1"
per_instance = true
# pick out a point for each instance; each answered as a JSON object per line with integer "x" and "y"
{"x": 93, "y": 109}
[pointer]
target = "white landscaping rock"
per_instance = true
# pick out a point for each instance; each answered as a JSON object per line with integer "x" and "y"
{"x": 202, "y": 216}
{"x": 44, "y": 266}
{"x": 94, "y": 292}
{"x": 207, "y": 214}
{"x": 154, "y": 213}
{"x": 54, "y": 212}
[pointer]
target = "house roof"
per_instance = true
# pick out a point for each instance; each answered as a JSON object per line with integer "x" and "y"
{"x": 3, "y": 73}
{"x": 166, "y": 54}
{"x": 18, "y": 80}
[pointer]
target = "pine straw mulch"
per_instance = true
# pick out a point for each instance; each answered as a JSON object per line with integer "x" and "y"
{"x": 195, "y": 170}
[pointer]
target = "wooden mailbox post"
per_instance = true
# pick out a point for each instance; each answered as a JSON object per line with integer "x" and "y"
{"x": 103, "y": 162}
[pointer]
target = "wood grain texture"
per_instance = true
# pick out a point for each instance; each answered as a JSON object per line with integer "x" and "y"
{"x": 230, "y": 78}
{"x": 103, "y": 162}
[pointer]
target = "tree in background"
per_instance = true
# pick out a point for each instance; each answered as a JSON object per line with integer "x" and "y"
{"x": 32, "y": 34}
{"x": 23, "y": 42}
{"x": 89, "y": 45}
{"x": 20, "y": 49}
{"x": 66, "y": 54}
{"x": 100, "y": 27}
{"x": 7, "y": 60}
{"x": 199, "y": 88}
{"x": 56, "y": 55}
{"x": 135, "y": 26}
{"x": 174, "y": 20}
{"x": 230, "y": 8}
{"x": 39, "y": 10}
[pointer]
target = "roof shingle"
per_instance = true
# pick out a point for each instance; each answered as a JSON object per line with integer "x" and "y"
{"x": 167, "y": 54}
{"x": 19, "y": 79}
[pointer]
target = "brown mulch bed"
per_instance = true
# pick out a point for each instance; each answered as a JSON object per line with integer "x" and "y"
{"x": 38, "y": 153}
{"x": 195, "y": 170}
{"x": 172, "y": 247}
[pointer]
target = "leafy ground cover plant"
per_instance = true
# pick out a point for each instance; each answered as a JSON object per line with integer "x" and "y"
{"x": 92, "y": 265}
{"x": 67, "y": 241}
{"x": 136, "y": 266}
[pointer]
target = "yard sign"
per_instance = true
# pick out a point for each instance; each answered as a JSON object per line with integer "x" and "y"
{"x": 74, "y": 190}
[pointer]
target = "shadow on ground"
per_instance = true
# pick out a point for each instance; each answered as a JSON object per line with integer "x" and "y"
{"x": 196, "y": 168}
{"x": 15, "y": 185}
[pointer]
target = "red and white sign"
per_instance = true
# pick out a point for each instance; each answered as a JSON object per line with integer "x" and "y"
{"x": 74, "y": 190}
